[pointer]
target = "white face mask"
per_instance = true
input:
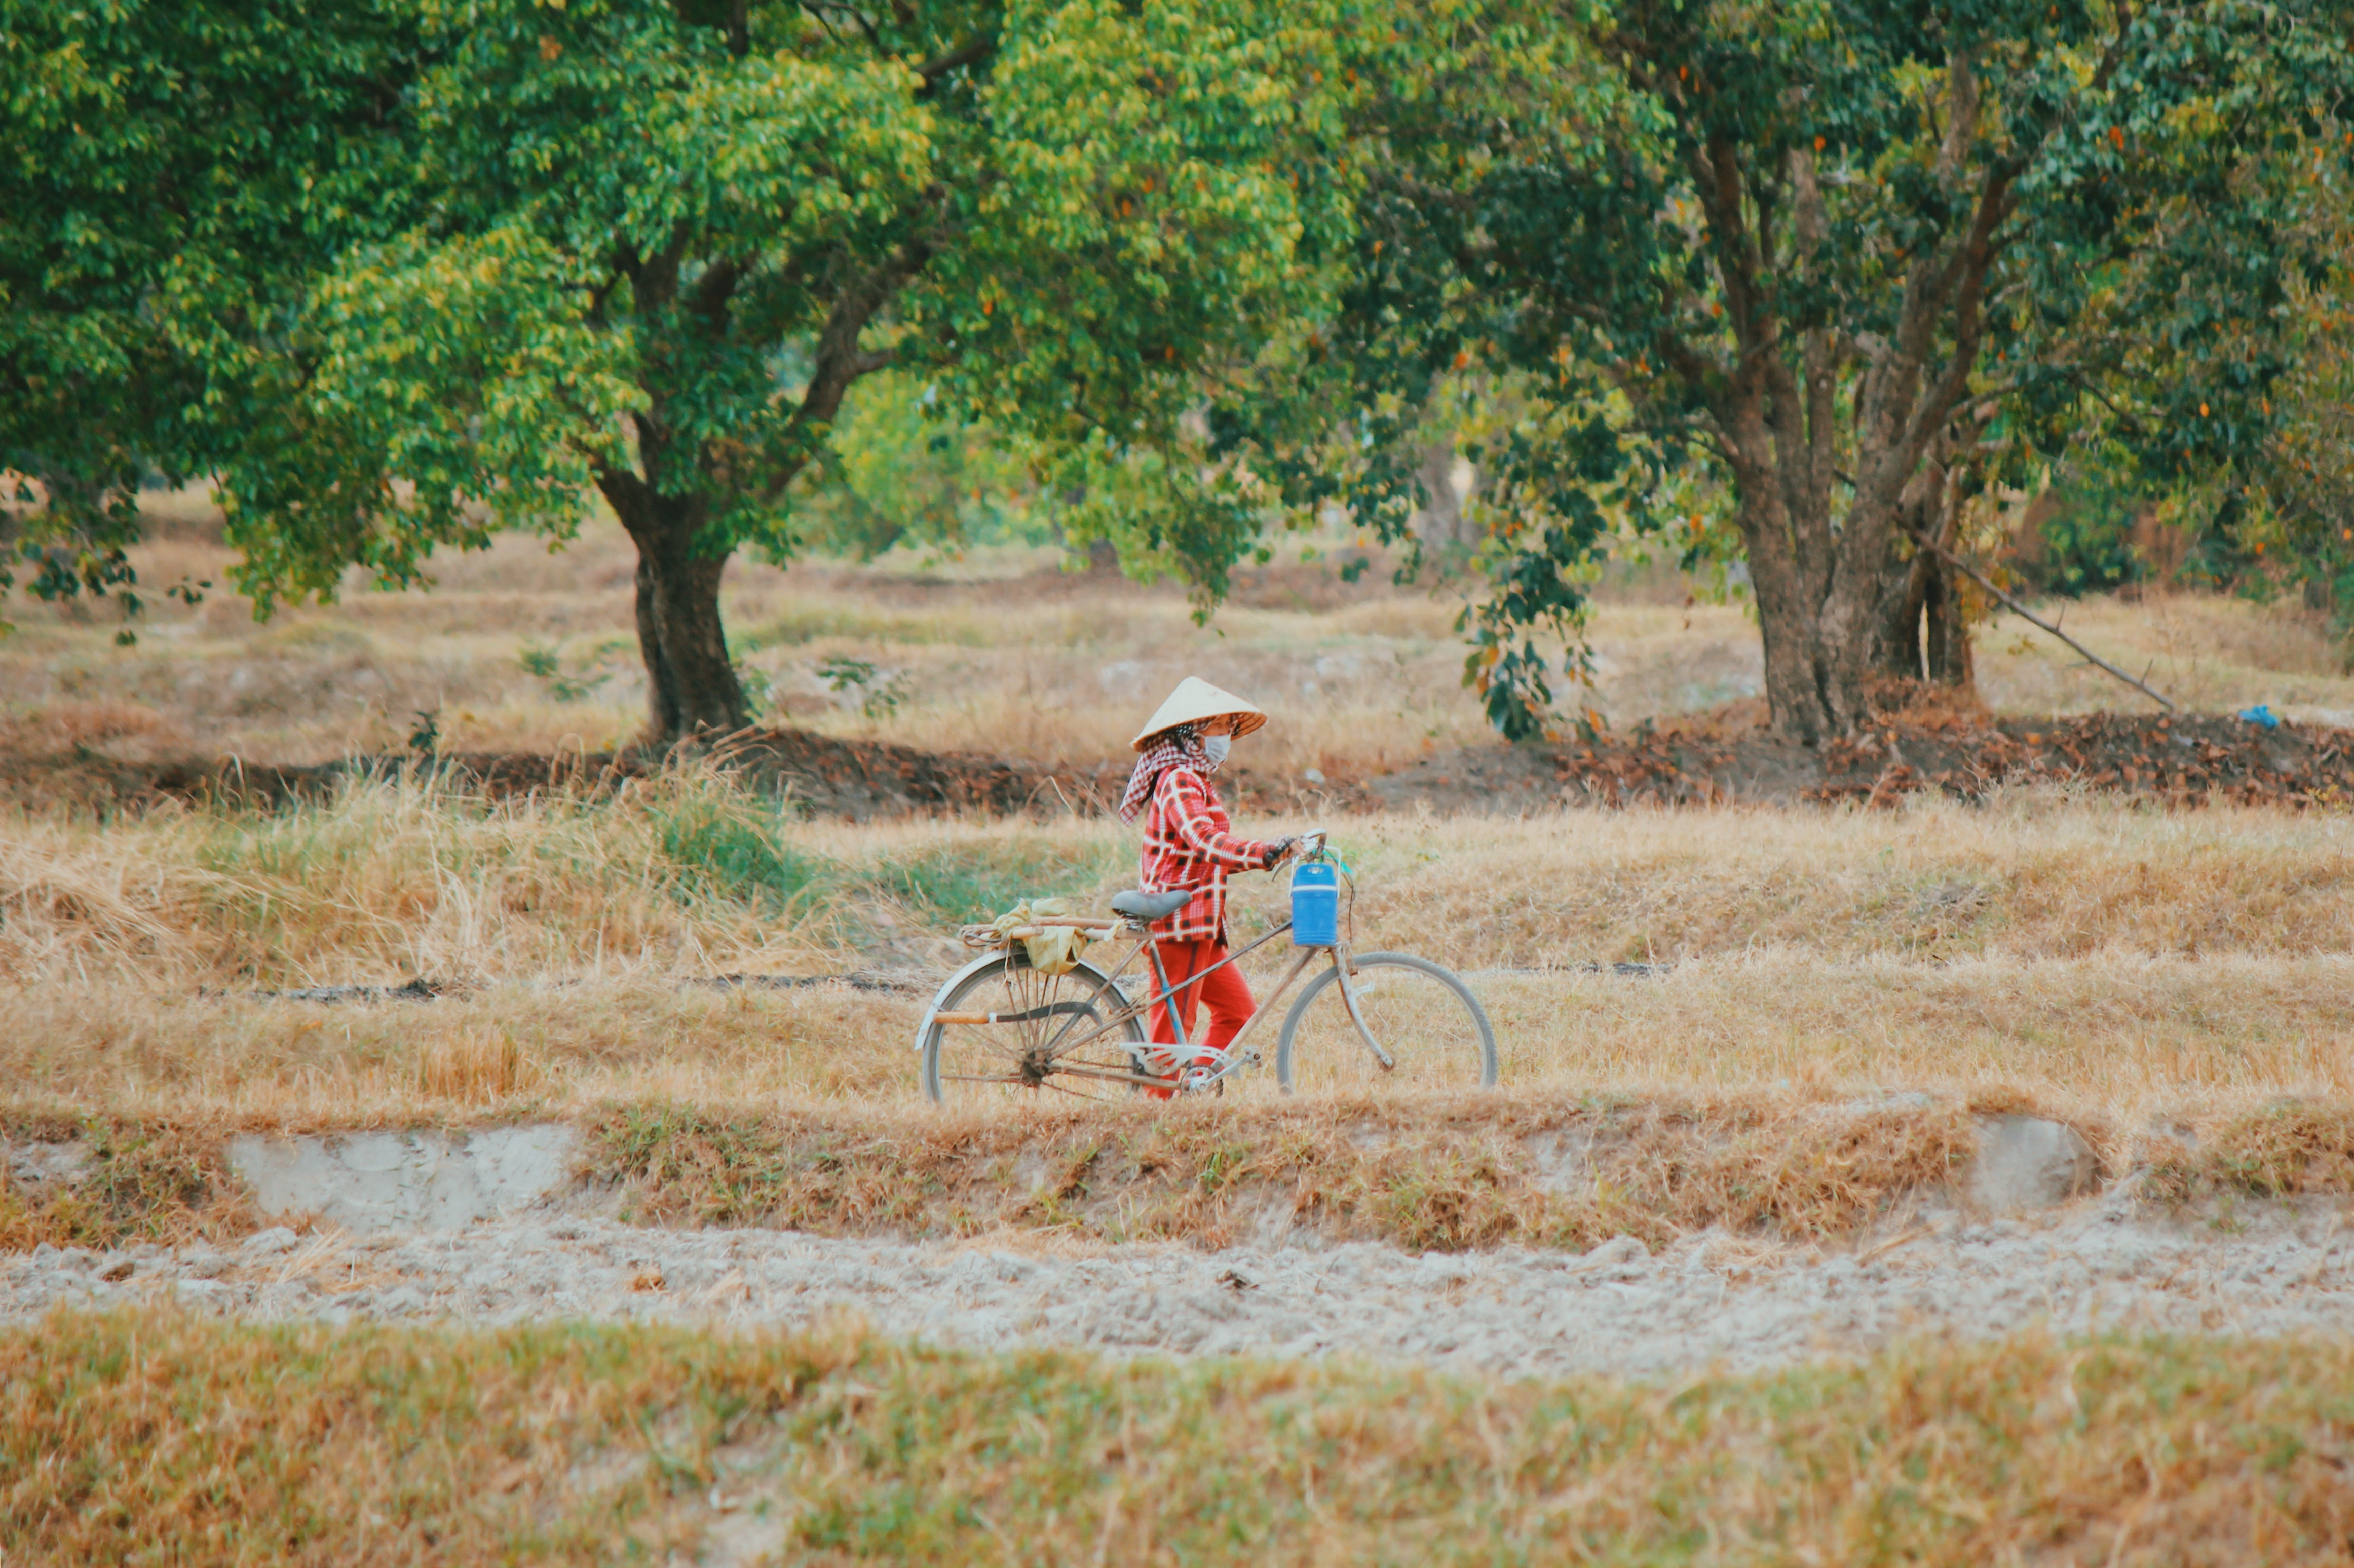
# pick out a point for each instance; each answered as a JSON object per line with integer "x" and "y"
{"x": 1215, "y": 746}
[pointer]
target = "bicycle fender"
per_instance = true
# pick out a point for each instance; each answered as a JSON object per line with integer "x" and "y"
{"x": 939, "y": 997}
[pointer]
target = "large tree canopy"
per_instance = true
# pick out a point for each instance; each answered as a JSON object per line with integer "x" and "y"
{"x": 1857, "y": 258}
{"x": 650, "y": 246}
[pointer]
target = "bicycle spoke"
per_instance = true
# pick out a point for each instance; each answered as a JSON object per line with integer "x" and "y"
{"x": 984, "y": 1042}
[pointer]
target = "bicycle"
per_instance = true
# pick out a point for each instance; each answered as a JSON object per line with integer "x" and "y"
{"x": 1001, "y": 1029}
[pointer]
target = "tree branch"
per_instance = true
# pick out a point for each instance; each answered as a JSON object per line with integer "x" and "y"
{"x": 1977, "y": 255}
{"x": 966, "y": 53}
{"x": 840, "y": 360}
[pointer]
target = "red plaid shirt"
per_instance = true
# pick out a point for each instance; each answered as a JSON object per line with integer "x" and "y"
{"x": 1186, "y": 844}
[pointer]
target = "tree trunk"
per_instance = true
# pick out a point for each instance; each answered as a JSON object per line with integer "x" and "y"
{"x": 1946, "y": 644}
{"x": 1920, "y": 635}
{"x": 1819, "y": 668}
{"x": 1440, "y": 524}
{"x": 691, "y": 685}
{"x": 1897, "y": 650}
{"x": 1789, "y": 625}
{"x": 1924, "y": 637}
{"x": 1837, "y": 602}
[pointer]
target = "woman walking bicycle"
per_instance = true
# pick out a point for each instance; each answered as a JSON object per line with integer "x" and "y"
{"x": 1037, "y": 1011}
{"x": 1189, "y": 846}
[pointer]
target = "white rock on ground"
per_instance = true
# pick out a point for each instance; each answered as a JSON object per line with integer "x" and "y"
{"x": 1709, "y": 1301}
{"x": 407, "y": 1181}
{"x": 2027, "y": 1163}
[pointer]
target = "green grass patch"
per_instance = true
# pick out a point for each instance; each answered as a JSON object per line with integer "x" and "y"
{"x": 980, "y": 881}
{"x": 731, "y": 846}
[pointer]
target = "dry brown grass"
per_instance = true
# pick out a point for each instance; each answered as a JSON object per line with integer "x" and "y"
{"x": 481, "y": 1066}
{"x": 394, "y": 876}
{"x": 1008, "y": 656}
{"x": 2209, "y": 654}
{"x": 2124, "y": 1042}
{"x": 2291, "y": 1150}
{"x": 399, "y": 877}
{"x": 156, "y": 1182}
{"x": 2118, "y": 967}
{"x": 235, "y": 1444}
{"x": 1424, "y": 1173}
{"x": 2031, "y": 877}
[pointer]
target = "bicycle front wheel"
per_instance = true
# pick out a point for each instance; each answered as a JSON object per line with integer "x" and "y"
{"x": 1012, "y": 1031}
{"x": 1421, "y": 1014}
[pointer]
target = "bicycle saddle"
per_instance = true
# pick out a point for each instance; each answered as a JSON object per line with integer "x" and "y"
{"x": 1139, "y": 906}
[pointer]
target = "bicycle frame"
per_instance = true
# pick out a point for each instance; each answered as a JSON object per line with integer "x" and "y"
{"x": 1226, "y": 1061}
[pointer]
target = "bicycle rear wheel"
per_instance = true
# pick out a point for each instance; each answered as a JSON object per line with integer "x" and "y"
{"x": 1030, "y": 1019}
{"x": 1423, "y": 1015}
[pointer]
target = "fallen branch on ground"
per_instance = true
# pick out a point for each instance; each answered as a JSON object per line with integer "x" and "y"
{"x": 2013, "y": 605}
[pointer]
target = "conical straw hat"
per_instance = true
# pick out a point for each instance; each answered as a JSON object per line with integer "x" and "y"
{"x": 1196, "y": 700}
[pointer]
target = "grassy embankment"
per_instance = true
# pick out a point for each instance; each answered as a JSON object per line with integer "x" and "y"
{"x": 158, "y": 1436}
{"x": 2130, "y": 970}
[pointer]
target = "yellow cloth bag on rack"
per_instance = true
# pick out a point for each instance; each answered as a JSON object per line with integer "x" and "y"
{"x": 1054, "y": 951}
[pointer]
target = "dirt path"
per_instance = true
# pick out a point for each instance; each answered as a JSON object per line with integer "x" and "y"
{"x": 1709, "y": 1300}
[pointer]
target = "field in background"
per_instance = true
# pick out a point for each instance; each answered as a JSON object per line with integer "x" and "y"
{"x": 1002, "y": 652}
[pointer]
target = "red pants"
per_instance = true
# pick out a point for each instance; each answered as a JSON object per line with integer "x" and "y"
{"x": 1226, "y": 992}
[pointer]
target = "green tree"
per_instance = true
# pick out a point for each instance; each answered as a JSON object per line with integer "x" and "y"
{"x": 170, "y": 174}
{"x": 649, "y": 247}
{"x": 1860, "y": 260}
{"x": 2305, "y": 476}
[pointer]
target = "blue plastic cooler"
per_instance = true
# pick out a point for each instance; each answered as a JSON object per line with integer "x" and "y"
{"x": 1315, "y": 906}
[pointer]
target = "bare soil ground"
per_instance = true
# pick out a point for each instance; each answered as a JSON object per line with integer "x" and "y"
{"x": 1553, "y": 1238}
{"x": 1708, "y": 1301}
